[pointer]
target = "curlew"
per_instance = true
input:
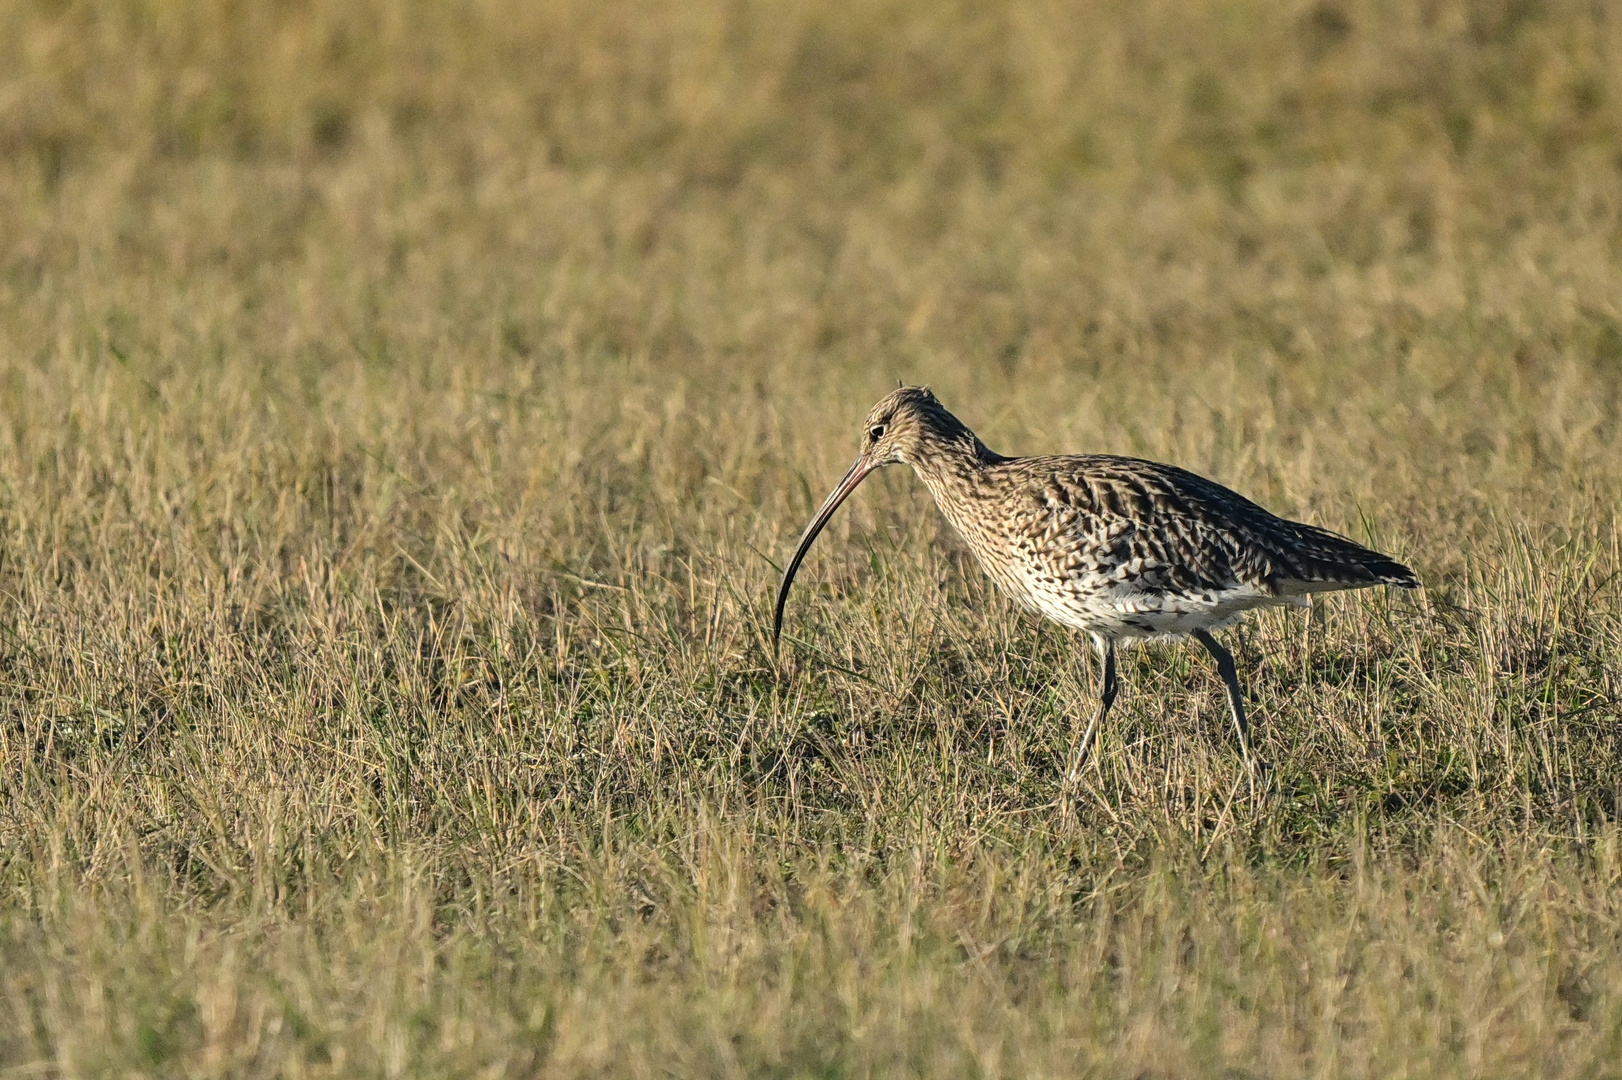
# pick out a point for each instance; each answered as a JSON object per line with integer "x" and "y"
{"x": 1121, "y": 548}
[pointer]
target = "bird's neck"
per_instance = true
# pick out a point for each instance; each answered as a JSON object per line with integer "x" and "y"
{"x": 953, "y": 470}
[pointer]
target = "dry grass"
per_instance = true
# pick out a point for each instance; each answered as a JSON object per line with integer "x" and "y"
{"x": 404, "y": 404}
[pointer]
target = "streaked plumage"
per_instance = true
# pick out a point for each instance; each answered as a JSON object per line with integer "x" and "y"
{"x": 1119, "y": 547}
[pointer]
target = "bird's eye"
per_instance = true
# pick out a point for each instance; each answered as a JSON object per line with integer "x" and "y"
{"x": 876, "y": 432}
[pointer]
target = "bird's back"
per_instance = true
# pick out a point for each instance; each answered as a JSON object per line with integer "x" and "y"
{"x": 1127, "y": 547}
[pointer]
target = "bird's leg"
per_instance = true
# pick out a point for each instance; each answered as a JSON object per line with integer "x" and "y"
{"x": 1106, "y": 699}
{"x": 1236, "y": 700}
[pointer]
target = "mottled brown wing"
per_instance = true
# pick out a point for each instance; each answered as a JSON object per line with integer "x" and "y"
{"x": 1164, "y": 529}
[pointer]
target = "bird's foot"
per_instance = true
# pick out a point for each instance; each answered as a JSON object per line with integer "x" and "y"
{"x": 1261, "y": 774}
{"x": 1078, "y": 766}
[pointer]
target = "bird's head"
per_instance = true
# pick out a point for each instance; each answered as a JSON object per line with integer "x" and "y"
{"x": 901, "y": 429}
{"x": 905, "y": 426}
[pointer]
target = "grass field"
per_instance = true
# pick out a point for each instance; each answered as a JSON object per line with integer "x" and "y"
{"x": 406, "y": 408}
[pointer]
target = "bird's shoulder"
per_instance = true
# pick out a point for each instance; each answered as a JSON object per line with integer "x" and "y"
{"x": 1111, "y": 488}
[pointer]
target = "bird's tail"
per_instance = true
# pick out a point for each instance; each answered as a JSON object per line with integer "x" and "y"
{"x": 1322, "y": 561}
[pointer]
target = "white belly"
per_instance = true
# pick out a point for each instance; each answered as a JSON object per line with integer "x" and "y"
{"x": 1119, "y": 610}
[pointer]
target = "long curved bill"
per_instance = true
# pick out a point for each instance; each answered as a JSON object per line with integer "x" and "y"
{"x": 858, "y": 472}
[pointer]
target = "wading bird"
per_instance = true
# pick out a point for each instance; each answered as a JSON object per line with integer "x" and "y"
{"x": 1116, "y": 546}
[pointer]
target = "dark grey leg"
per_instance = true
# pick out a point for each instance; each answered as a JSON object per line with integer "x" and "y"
{"x": 1106, "y": 699}
{"x": 1236, "y": 700}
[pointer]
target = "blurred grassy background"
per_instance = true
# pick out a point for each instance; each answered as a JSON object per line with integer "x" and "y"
{"x": 405, "y": 404}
